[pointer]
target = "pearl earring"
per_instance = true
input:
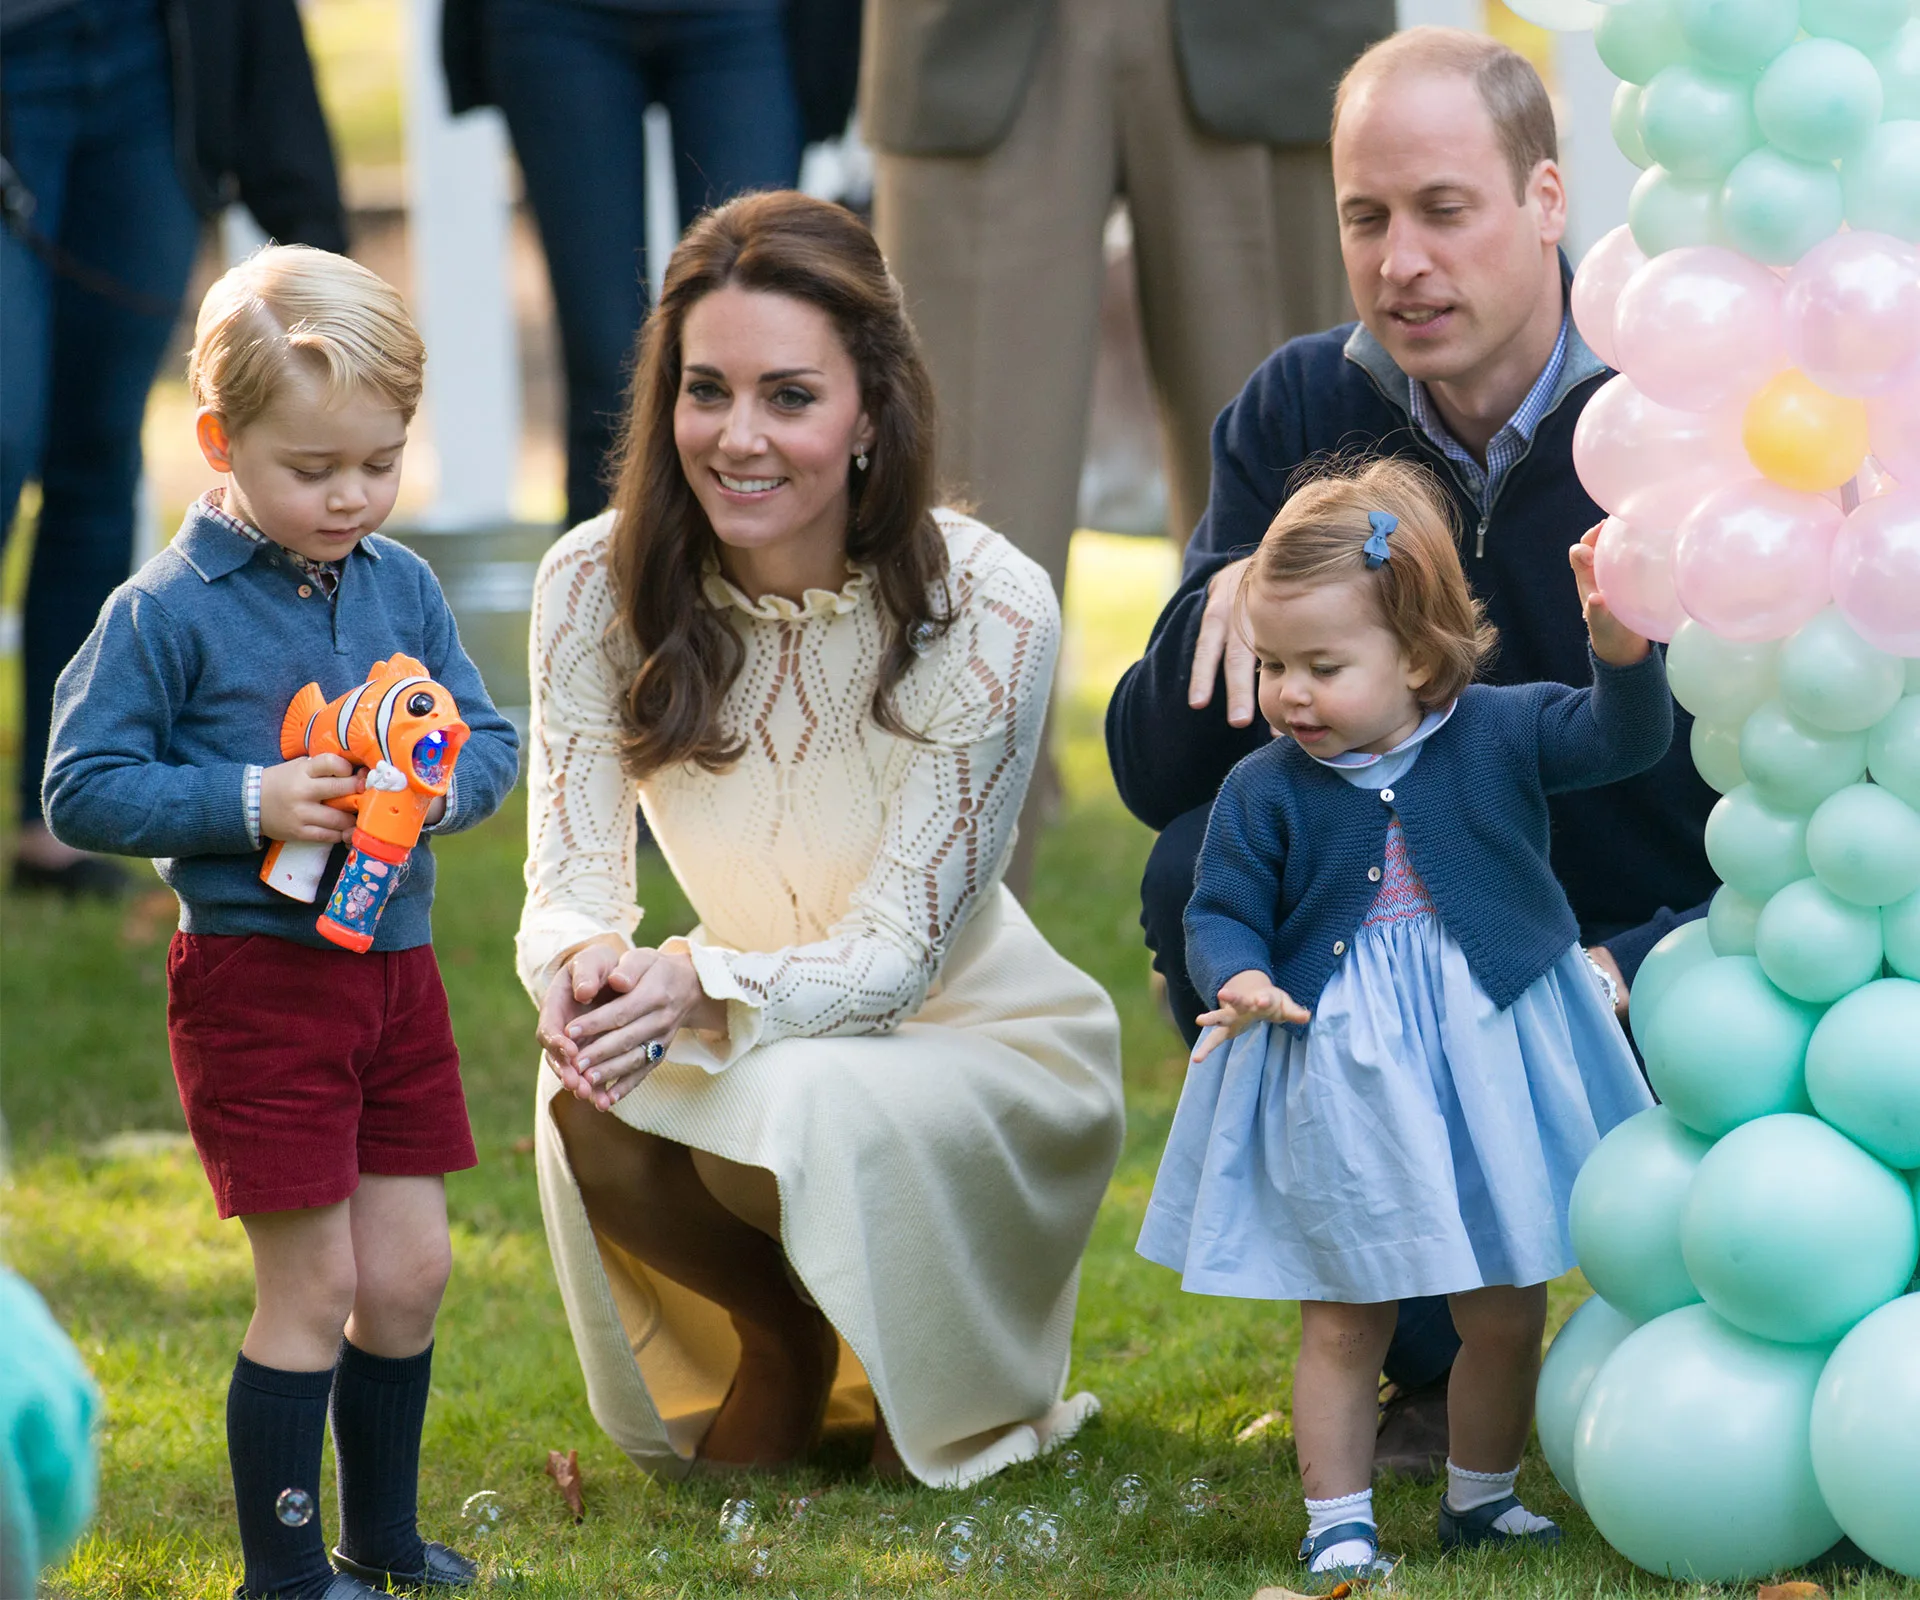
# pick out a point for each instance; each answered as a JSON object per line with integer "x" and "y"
{"x": 860, "y": 458}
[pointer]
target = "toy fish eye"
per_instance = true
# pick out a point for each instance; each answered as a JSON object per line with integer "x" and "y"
{"x": 420, "y": 704}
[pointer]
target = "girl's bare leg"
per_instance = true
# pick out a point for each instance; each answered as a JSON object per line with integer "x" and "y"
{"x": 646, "y": 1195}
{"x": 1490, "y": 1400}
{"x": 1336, "y": 1393}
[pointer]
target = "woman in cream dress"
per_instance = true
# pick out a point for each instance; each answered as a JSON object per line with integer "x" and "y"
{"x": 841, "y": 1148}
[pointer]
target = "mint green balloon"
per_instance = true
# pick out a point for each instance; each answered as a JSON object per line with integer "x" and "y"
{"x": 1720, "y": 680}
{"x": 1832, "y": 678}
{"x": 1864, "y": 845}
{"x": 1624, "y": 120}
{"x": 1697, "y": 124}
{"x": 1793, "y": 1232}
{"x": 1579, "y": 1350}
{"x": 1816, "y": 946}
{"x": 1667, "y": 213}
{"x": 1733, "y": 922}
{"x": 1755, "y": 847}
{"x": 1691, "y": 1451}
{"x": 1881, "y": 182}
{"x": 1677, "y": 952}
{"x": 1636, "y": 38}
{"x": 1792, "y": 766}
{"x": 1725, "y": 1046}
{"x": 1776, "y": 209}
{"x": 1893, "y": 750}
{"x": 1818, "y": 100}
{"x": 1863, "y": 1069}
{"x": 1913, "y": 675}
{"x": 1864, "y": 24}
{"x": 1900, "y": 932}
{"x": 1864, "y": 1432}
{"x": 1739, "y": 36}
{"x": 1898, "y": 63}
{"x": 1715, "y": 749}
{"x": 1624, "y": 1213}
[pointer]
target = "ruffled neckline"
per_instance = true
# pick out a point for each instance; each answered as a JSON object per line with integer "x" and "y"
{"x": 721, "y": 592}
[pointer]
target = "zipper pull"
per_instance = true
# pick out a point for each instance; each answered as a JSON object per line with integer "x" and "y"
{"x": 1480, "y": 541}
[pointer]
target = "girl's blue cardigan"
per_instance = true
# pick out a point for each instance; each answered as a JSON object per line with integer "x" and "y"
{"x": 1283, "y": 880}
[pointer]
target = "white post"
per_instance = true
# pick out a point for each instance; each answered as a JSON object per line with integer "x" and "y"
{"x": 1441, "y": 14}
{"x": 459, "y": 232}
{"x": 663, "y": 196}
{"x": 1599, "y": 177}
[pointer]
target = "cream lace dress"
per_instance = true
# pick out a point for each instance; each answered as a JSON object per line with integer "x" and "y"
{"x": 936, "y": 1091}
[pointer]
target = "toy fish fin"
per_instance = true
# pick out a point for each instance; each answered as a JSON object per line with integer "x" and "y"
{"x": 293, "y": 726}
{"x": 401, "y": 665}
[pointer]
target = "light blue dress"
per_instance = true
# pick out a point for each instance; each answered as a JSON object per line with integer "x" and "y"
{"x": 1416, "y": 1141}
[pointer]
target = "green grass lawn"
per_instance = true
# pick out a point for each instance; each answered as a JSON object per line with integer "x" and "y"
{"x": 118, "y": 1231}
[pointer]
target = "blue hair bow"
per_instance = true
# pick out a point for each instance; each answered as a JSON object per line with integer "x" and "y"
{"x": 1382, "y": 523}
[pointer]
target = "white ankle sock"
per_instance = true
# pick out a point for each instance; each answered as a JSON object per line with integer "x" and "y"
{"x": 1468, "y": 1490}
{"x": 1325, "y": 1514}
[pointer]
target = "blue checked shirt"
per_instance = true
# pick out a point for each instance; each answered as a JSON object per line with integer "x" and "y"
{"x": 1508, "y": 445}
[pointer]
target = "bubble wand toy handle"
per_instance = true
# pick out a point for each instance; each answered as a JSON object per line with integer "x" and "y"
{"x": 405, "y": 731}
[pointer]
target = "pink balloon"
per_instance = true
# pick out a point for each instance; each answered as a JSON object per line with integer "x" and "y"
{"x": 1700, "y": 327}
{"x": 1876, "y": 572}
{"x": 1634, "y": 569}
{"x": 1604, "y": 272}
{"x": 1752, "y": 559}
{"x": 1650, "y": 463}
{"x": 1893, "y": 426}
{"x": 1852, "y": 313}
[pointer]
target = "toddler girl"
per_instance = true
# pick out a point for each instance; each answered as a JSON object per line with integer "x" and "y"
{"x": 1409, "y": 1055}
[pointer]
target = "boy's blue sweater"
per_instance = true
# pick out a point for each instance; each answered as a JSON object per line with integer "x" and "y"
{"x": 1283, "y": 885}
{"x": 1631, "y": 855}
{"x": 183, "y": 683}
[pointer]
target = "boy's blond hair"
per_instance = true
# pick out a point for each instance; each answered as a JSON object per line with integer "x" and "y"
{"x": 1320, "y": 536}
{"x": 288, "y": 306}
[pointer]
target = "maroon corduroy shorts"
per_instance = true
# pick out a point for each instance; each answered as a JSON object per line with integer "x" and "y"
{"x": 299, "y": 1069}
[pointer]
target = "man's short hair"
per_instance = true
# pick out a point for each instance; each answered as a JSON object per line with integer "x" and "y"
{"x": 288, "y": 308}
{"x": 1508, "y": 87}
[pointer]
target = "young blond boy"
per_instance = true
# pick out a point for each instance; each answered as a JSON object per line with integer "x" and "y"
{"x": 321, "y": 1087}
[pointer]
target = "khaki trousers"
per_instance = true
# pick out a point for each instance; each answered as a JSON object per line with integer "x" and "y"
{"x": 1236, "y": 250}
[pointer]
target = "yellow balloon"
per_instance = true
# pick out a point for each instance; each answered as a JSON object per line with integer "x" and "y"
{"x": 1803, "y": 436}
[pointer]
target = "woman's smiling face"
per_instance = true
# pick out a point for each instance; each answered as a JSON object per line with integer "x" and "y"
{"x": 767, "y": 422}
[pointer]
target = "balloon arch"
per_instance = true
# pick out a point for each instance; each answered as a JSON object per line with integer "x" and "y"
{"x": 1745, "y": 1386}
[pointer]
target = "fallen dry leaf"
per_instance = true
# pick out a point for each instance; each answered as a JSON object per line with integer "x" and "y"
{"x": 523, "y": 1146}
{"x": 1338, "y": 1592}
{"x": 1253, "y": 1430}
{"x": 1792, "y": 1591}
{"x": 565, "y": 1472}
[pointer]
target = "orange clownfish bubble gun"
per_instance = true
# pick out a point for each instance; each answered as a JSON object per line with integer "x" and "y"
{"x": 405, "y": 730}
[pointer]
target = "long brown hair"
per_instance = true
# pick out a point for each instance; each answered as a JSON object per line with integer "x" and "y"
{"x": 780, "y": 243}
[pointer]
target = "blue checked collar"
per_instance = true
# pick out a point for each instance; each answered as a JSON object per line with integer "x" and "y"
{"x": 1506, "y": 446}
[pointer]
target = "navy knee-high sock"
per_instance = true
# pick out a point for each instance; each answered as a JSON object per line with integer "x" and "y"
{"x": 379, "y": 1406}
{"x": 276, "y": 1424}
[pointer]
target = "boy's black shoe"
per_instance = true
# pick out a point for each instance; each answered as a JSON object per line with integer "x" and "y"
{"x": 343, "y": 1587}
{"x": 445, "y": 1569}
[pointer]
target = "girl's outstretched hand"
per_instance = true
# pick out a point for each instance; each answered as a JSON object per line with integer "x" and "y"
{"x": 1613, "y": 641}
{"x": 1245, "y": 999}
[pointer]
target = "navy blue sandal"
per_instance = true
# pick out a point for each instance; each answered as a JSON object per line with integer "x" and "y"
{"x": 442, "y": 1568}
{"x": 1463, "y": 1530}
{"x": 1375, "y": 1566}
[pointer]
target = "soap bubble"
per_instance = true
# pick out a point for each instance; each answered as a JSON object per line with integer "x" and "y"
{"x": 659, "y": 1559}
{"x": 959, "y": 1543}
{"x": 736, "y": 1520}
{"x": 294, "y": 1507}
{"x": 483, "y": 1513}
{"x": 893, "y": 1531}
{"x": 986, "y": 1502}
{"x": 1076, "y": 1497}
{"x": 1070, "y": 1463}
{"x": 1197, "y": 1497}
{"x": 1130, "y": 1495}
{"x": 800, "y": 1506}
{"x": 759, "y": 1563}
{"x": 1034, "y": 1533}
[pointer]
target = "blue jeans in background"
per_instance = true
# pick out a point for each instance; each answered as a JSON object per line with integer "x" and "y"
{"x": 575, "y": 80}
{"x": 86, "y": 93}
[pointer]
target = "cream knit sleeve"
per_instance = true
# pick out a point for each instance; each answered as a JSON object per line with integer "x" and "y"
{"x": 949, "y": 827}
{"x": 580, "y": 869}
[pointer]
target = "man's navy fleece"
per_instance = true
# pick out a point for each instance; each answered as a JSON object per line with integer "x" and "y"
{"x": 1627, "y": 853}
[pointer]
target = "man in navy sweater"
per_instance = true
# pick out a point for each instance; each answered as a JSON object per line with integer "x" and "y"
{"x": 1451, "y": 211}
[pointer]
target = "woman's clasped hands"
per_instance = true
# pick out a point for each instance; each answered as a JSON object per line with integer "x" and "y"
{"x": 1244, "y": 999}
{"x": 609, "y": 1014}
